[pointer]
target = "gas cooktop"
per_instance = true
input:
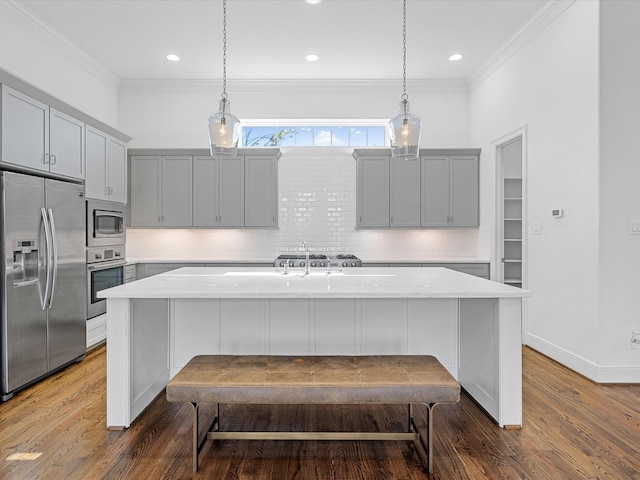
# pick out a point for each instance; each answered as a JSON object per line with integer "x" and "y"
{"x": 318, "y": 260}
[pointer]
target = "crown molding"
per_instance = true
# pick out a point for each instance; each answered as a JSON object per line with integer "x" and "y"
{"x": 186, "y": 86}
{"x": 536, "y": 24}
{"x": 27, "y": 20}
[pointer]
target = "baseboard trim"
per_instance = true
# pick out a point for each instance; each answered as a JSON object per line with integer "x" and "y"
{"x": 585, "y": 367}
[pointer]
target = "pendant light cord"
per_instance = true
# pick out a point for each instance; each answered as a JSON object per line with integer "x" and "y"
{"x": 224, "y": 49}
{"x": 404, "y": 50}
{"x": 404, "y": 97}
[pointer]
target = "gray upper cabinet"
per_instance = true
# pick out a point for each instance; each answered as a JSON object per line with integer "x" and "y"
{"x": 404, "y": 193}
{"x": 438, "y": 190}
{"x": 261, "y": 191}
{"x": 192, "y": 189}
{"x": 372, "y": 191}
{"x": 450, "y": 191}
{"x": 160, "y": 191}
{"x": 106, "y": 167}
{"x": 218, "y": 192}
{"x": 37, "y": 137}
{"x": 435, "y": 191}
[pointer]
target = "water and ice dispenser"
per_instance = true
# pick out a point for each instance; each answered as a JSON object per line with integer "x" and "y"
{"x": 25, "y": 262}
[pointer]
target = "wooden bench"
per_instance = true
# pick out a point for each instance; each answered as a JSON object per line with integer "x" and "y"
{"x": 264, "y": 379}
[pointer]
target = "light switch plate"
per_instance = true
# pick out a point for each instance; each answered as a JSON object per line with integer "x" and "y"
{"x": 537, "y": 228}
{"x": 634, "y": 227}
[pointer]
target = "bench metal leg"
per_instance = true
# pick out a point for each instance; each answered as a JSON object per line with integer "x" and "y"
{"x": 195, "y": 409}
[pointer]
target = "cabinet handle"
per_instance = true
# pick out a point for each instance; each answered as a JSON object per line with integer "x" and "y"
{"x": 52, "y": 159}
{"x": 106, "y": 190}
{"x": 45, "y": 159}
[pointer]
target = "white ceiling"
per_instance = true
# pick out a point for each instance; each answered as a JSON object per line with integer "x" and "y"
{"x": 268, "y": 39}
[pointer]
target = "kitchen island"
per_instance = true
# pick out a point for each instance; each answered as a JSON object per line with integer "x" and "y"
{"x": 472, "y": 325}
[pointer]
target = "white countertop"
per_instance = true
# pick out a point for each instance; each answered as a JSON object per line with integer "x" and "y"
{"x": 134, "y": 260}
{"x": 228, "y": 282}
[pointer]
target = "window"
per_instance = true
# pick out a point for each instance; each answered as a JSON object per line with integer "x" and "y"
{"x": 305, "y": 135}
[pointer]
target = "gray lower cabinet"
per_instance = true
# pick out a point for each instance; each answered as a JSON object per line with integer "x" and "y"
{"x": 441, "y": 189}
{"x": 160, "y": 191}
{"x": 477, "y": 269}
{"x": 218, "y": 192}
{"x": 450, "y": 189}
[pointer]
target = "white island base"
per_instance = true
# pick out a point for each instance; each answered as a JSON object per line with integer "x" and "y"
{"x": 155, "y": 325}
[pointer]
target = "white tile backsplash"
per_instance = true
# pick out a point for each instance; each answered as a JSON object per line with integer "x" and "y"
{"x": 317, "y": 204}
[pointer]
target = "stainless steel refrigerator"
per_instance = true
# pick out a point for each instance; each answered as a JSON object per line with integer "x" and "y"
{"x": 43, "y": 302}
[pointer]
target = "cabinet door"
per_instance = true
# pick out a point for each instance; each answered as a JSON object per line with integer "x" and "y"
{"x": 373, "y": 192}
{"x": 464, "y": 192}
{"x": 95, "y": 164}
{"x": 176, "y": 191}
{"x": 435, "y": 191}
{"x": 231, "y": 192}
{"x": 205, "y": 192}
{"x": 116, "y": 171}
{"x": 66, "y": 145}
{"x": 405, "y": 193}
{"x": 261, "y": 191}
{"x": 25, "y": 130}
{"x": 145, "y": 192}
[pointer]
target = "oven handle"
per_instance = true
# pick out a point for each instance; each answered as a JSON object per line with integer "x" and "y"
{"x": 104, "y": 265}
{"x": 107, "y": 213}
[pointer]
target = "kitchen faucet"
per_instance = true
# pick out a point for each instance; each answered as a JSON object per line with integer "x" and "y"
{"x": 307, "y": 266}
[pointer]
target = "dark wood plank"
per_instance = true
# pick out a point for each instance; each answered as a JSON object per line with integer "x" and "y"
{"x": 573, "y": 429}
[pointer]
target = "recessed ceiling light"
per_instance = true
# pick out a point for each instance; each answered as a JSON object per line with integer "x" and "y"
{"x": 312, "y": 57}
{"x": 313, "y": 2}
{"x": 172, "y": 57}
{"x": 455, "y": 57}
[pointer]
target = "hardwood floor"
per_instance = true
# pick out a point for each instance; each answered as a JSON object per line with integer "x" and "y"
{"x": 573, "y": 429}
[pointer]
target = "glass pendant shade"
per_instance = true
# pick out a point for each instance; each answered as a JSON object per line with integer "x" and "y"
{"x": 224, "y": 132}
{"x": 404, "y": 134}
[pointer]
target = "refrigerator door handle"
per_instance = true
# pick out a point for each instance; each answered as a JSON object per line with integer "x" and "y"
{"x": 54, "y": 257}
{"x": 47, "y": 236}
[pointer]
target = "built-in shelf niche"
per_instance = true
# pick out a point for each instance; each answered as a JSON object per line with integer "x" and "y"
{"x": 511, "y": 155}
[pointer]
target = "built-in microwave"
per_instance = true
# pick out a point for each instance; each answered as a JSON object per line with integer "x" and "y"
{"x": 105, "y": 223}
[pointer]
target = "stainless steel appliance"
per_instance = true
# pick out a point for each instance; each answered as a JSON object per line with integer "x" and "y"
{"x": 318, "y": 260}
{"x": 43, "y": 300}
{"x": 105, "y": 269}
{"x": 105, "y": 223}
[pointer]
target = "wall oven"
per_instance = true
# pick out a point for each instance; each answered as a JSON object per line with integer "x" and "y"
{"x": 105, "y": 269}
{"x": 105, "y": 223}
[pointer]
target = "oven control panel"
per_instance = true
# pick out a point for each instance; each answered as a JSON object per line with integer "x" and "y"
{"x": 96, "y": 255}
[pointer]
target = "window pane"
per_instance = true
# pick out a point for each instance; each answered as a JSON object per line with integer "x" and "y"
{"x": 340, "y": 136}
{"x": 376, "y": 136}
{"x": 250, "y": 136}
{"x": 287, "y": 136}
{"x": 358, "y": 136}
{"x": 268, "y": 137}
{"x": 322, "y": 137}
{"x": 304, "y": 137}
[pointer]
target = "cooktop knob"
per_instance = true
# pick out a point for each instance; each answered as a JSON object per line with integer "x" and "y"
{"x": 302, "y": 264}
{"x": 345, "y": 264}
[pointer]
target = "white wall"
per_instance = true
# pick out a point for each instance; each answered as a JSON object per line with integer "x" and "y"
{"x": 33, "y": 53}
{"x": 619, "y": 182}
{"x": 317, "y": 200}
{"x": 552, "y": 87}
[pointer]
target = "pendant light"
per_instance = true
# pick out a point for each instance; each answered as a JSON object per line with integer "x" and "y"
{"x": 405, "y": 129}
{"x": 224, "y": 128}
